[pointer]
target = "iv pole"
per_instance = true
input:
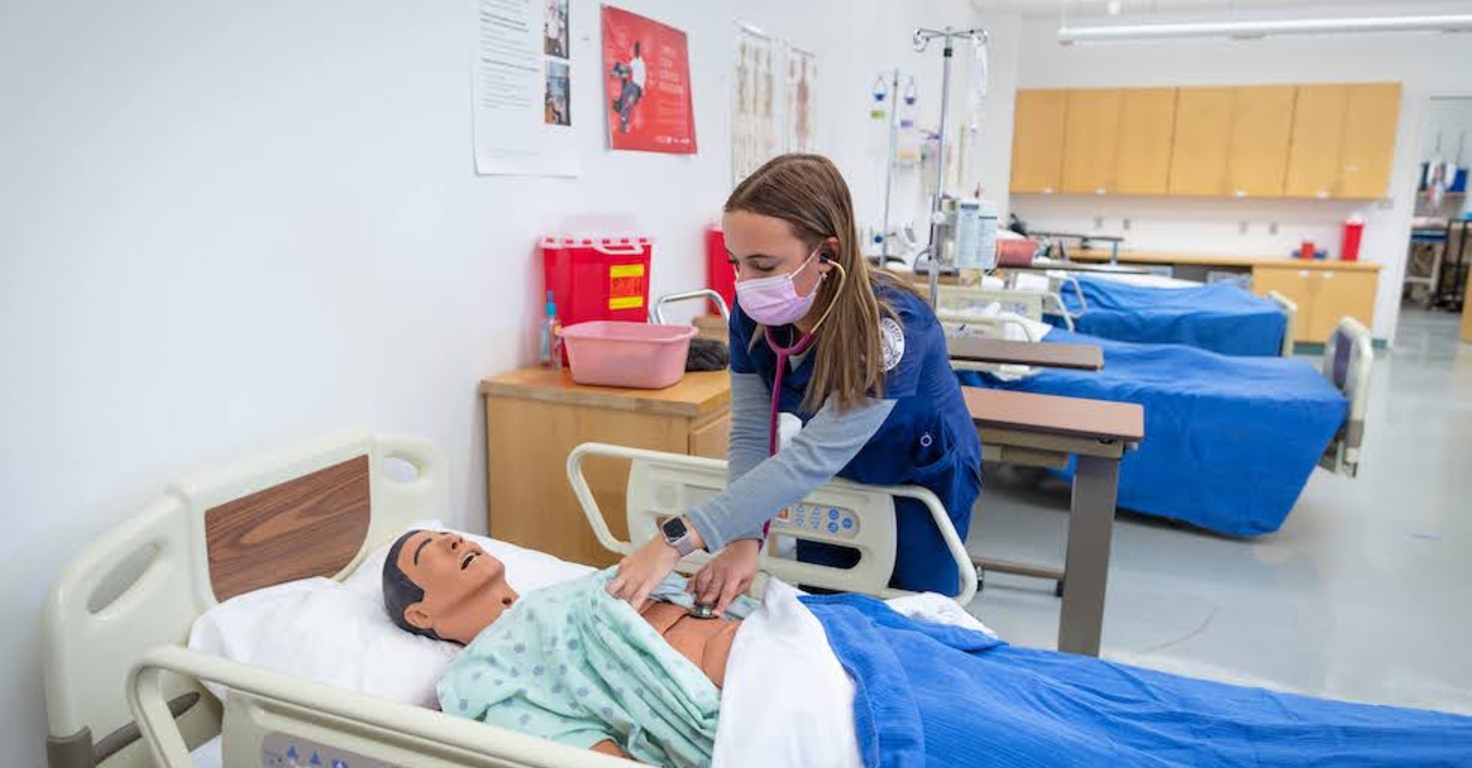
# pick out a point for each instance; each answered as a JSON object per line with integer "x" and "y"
{"x": 921, "y": 41}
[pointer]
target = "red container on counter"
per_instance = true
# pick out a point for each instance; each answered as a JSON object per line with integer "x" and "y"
{"x": 598, "y": 278}
{"x": 719, "y": 276}
{"x": 1354, "y": 229}
{"x": 1306, "y": 250}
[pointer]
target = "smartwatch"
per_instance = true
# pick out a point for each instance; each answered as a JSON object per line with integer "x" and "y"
{"x": 677, "y": 535}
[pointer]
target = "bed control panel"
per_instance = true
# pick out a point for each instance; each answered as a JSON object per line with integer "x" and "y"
{"x": 834, "y": 521}
{"x": 279, "y": 750}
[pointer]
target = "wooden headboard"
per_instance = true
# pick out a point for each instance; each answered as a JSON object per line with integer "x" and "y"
{"x": 311, "y": 526}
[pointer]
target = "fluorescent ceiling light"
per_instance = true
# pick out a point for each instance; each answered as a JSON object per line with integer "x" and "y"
{"x": 1250, "y": 29}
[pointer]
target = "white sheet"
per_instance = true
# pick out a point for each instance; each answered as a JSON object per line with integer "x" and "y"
{"x": 781, "y": 655}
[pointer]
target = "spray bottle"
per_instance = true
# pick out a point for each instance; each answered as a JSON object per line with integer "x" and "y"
{"x": 551, "y": 337}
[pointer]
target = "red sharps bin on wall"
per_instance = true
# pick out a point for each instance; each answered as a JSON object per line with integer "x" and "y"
{"x": 598, "y": 278}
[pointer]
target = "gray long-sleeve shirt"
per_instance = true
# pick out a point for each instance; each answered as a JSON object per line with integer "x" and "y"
{"x": 758, "y": 487}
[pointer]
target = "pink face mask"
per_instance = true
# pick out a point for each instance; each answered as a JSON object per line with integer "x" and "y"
{"x": 774, "y": 301}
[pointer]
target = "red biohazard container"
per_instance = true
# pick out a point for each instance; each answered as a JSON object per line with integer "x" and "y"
{"x": 1354, "y": 229}
{"x": 598, "y": 278}
{"x": 719, "y": 276}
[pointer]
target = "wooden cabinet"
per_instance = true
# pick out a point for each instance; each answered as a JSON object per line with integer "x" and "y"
{"x": 1373, "y": 115}
{"x": 1317, "y": 144}
{"x": 1198, "y": 158}
{"x": 1332, "y": 140}
{"x": 1324, "y": 294}
{"x": 1147, "y": 122}
{"x": 1037, "y": 141}
{"x": 535, "y": 417}
{"x": 1257, "y": 157}
{"x": 1089, "y": 140}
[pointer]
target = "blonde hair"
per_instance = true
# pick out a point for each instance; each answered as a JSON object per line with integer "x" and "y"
{"x": 809, "y": 193}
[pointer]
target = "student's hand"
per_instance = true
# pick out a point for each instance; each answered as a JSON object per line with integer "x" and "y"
{"x": 726, "y": 576}
{"x": 639, "y": 573}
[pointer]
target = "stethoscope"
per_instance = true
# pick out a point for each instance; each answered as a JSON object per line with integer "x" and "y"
{"x": 784, "y": 353}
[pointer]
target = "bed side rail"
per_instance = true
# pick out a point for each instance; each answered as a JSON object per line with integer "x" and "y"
{"x": 1290, "y": 309}
{"x": 1348, "y": 355}
{"x": 857, "y": 516}
{"x": 267, "y": 708}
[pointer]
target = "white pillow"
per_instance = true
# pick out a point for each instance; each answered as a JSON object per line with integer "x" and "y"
{"x": 526, "y": 569}
{"x": 340, "y": 635}
{"x": 319, "y": 630}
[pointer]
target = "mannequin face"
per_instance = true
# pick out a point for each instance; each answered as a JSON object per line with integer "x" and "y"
{"x": 465, "y": 589}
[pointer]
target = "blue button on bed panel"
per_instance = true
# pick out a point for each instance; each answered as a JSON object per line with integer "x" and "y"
{"x": 848, "y": 522}
{"x": 832, "y": 514}
{"x": 833, "y": 527}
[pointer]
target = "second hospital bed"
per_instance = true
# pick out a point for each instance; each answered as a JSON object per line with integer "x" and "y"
{"x": 319, "y": 508}
{"x": 1150, "y": 309}
{"x": 1232, "y": 440}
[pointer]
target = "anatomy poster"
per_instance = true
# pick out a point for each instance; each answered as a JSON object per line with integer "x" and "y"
{"x": 646, "y": 66}
{"x": 753, "y": 115}
{"x": 802, "y": 76}
{"x": 523, "y": 123}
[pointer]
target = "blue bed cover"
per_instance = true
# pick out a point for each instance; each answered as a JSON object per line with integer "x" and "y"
{"x": 1220, "y": 317}
{"x": 977, "y": 701}
{"x": 1229, "y": 441}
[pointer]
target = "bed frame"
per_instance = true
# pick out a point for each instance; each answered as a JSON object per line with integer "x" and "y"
{"x": 123, "y": 692}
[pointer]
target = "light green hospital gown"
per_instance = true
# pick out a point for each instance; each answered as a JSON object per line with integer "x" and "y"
{"x": 572, "y": 664}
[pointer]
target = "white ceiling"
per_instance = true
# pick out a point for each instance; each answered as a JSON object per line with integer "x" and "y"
{"x": 1137, "y": 7}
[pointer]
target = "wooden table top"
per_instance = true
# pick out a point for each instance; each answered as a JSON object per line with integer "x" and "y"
{"x": 698, "y": 394}
{"x": 1078, "y": 357}
{"x": 1054, "y": 415}
{"x": 1218, "y": 260}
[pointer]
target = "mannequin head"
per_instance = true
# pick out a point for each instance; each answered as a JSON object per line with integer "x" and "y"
{"x": 437, "y": 584}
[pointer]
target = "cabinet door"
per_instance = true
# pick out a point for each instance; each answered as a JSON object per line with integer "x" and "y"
{"x": 1198, "y": 157}
{"x": 1372, "y": 114}
{"x": 1317, "y": 145}
{"x": 1147, "y": 122}
{"x": 711, "y": 439}
{"x": 1090, "y": 140}
{"x": 1037, "y": 141}
{"x": 1296, "y": 285}
{"x": 1339, "y": 293}
{"x": 1262, "y": 119}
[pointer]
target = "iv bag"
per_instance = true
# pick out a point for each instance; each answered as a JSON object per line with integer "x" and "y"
{"x": 979, "y": 74}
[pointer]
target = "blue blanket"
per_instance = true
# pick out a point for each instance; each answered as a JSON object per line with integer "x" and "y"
{"x": 976, "y": 701}
{"x": 1220, "y": 317}
{"x": 1229, "y": 441}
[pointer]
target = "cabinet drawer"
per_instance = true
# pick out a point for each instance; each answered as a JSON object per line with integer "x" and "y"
{"x": 711, "y": 438}
{"x": 1340, "y": 293}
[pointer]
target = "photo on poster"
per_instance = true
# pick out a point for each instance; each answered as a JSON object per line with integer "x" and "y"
{"x": 647, "y": 75}
{"x": 554, "y": 30}
{"x": 802, "y": 75}
{"x": 558, "y": 107}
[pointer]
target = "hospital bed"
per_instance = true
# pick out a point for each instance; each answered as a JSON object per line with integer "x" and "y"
{"x": 122, "y": 691}
{"x": 1146, "y": 308}
{"x": 1232, "y": 439}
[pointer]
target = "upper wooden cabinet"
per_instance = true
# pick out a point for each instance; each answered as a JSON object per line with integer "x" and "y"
{"x": 1257, "y": 160}
{"x": 1037, "y": 141}
{"x": 1090, "y": 140}
{"x": 1147, "y": 122}
{"x": 1318, "y": 140}
{"x": 1198, "y": 158}
{"x": 1332, "y": 140}
{"x": 1369, "y": 139}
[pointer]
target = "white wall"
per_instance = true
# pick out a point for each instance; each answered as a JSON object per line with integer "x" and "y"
{"x": 225, "y": 225}
{"x": 1425, "y": 64}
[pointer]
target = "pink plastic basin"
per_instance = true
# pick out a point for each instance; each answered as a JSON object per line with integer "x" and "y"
{"x": 610, "y": 353}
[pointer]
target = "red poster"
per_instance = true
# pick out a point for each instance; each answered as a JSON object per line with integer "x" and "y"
{"x": 647, "y": 70}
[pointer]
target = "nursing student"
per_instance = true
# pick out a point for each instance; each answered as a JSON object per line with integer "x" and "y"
{"x": 858, "y": 357}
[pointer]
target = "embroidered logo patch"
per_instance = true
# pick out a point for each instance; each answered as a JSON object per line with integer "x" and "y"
{"x": 892, "y": 341}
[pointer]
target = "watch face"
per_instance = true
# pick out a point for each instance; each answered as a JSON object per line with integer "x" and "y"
{"x": 673, "y": 528}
